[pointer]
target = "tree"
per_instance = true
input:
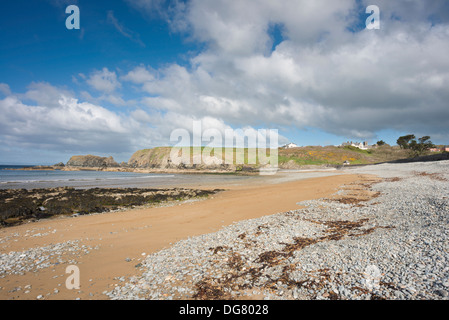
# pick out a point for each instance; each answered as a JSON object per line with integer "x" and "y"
{"x": 404, "y": 141}
{"x": 417, "y": 148}
{"x": 424, "y": 144}
{"x": 381, "y": 143}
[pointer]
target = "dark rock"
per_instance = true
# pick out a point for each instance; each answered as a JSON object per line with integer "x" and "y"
{"x": 18, "y": 205}
{"x": 92, "y": 161}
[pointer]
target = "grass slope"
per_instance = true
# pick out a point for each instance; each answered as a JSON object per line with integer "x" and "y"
{"x": 330, "y": 155}
{"x": 301, "y": 156}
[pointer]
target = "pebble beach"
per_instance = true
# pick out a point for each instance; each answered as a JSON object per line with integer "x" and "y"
{"x": 393, "y": 246}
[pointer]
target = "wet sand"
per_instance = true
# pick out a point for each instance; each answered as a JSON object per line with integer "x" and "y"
{"x": 127, "y": 235}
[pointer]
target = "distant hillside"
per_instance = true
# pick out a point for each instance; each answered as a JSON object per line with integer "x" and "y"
{"x": 330, "y": 155}
{"x": 246, "y": 160}
{"x": 288, "y": 158}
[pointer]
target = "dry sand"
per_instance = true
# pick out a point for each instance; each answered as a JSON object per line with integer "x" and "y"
{"x": 122, "y": 235}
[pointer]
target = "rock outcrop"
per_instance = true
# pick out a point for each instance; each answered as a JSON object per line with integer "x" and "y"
{"x": 92, "y": 162}
{"x": 150, "y": 158}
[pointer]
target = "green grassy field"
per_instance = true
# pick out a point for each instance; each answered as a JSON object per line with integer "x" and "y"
{"x": 330, "y": 155}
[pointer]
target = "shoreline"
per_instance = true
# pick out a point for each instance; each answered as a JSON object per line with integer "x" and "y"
{"x": 101, "y": 179}
{"x": 243, "y": 171}
{"x": 116, "y": 241}
{"x": 132, "y": 170}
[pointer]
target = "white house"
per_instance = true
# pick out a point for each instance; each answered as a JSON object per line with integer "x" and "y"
{"x": 289, "y": 146}
{"x": 361, "y": 145}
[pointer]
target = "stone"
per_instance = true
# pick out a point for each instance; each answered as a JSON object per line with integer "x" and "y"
{"x": 442, "y": 293}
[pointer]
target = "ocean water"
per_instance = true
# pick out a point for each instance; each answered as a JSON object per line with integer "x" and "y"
{"x": 31, "y": 179}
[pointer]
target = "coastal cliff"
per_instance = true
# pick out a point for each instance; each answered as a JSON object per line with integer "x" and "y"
{"x": 150, "y": 158}
{"x": 189, "y": 158}
{"x": 90, "y": 161}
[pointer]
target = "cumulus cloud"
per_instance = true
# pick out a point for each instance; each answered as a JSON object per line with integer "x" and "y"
{"x": 241, "y": 27}
{"x": 104, "y": 80}
{"x": 410, "y": 11}
{"x": 139, "y": 75}
{"x": 322, "y": 74}
{"x": 53, "y": 119}
{"x": 4, "y": 89}
{"x": 44, "y": 94}
{"x": 65, "y": 123}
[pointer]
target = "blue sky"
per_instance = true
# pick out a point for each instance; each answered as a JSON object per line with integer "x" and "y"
{"x": 139, "y": 69}
{"x": 36, "y": 46}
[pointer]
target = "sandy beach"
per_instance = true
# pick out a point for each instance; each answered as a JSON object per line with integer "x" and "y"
{"x": 109, "y": 246}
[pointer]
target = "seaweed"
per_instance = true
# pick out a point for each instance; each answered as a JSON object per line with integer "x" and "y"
{"x": 19, "y": 205}
{"x": 211, "y": 288}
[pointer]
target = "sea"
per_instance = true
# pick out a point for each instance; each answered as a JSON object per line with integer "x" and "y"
{"x": 34, "y": 179}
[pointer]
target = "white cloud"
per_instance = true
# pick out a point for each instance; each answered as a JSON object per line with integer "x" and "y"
{"x": 66, "y": 124}
{"x": 321, "y": 75}
{"x": 4, "y": 88}
{"x": 104, "y": 81}
{"x": 240, "y": 27}
{"x": 412, "y": 11}
{"x": 69, "y": 125}
{"x": 139, "y": 75}
{"x": 46, "y": 95}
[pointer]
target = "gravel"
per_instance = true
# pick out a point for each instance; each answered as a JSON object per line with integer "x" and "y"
{"x": 394, "y": 246}
{"x": 35, "y": 259}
